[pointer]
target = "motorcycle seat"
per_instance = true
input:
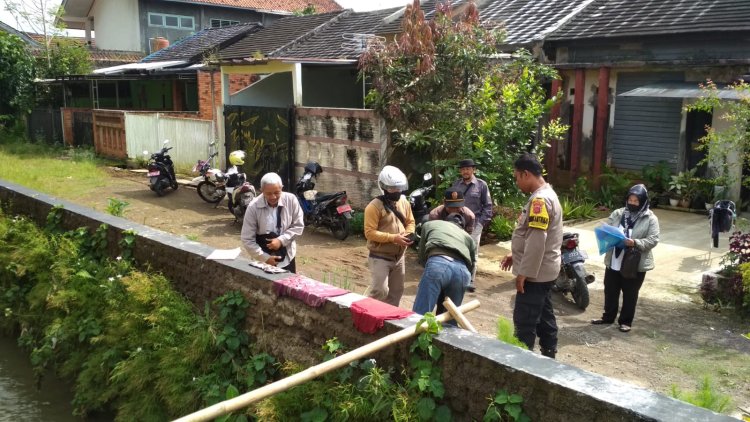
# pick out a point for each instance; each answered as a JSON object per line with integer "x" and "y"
{"x": 325, "y": 196}
{"x": 569, "y": 235}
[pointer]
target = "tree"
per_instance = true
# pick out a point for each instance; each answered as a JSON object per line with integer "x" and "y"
{"x": 448, "y": 91}
{"x": 16, "y": 78}
{"x": 66, "y": 57}
{"x": 40, "y": 17}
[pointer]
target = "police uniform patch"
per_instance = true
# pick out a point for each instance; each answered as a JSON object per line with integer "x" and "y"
{"x": 538, "y": 216}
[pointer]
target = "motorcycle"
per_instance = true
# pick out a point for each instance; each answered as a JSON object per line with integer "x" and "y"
{"x": 573, "y": 277}
{"x": 211, "y": 182}
{"x": 323, "y": 210}
{"x": 421, "y": 204}
{"x": 241, "y": 192}
{"x": 161, "y": 171}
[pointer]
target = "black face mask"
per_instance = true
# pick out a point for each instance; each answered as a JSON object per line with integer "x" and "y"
{"x": 393, "y": 196}
{"x": 633, "y": 208}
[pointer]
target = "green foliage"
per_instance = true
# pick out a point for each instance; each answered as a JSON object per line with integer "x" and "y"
{"x": 116, "y": 207}
{"x": 357, "y": 223}
{"x": 576, "y": 211}
{"x": 614, "y": 187}
{"x": 656, "y": 176}
{"x": 581, "y": 191}
{"x": 705, "y": 396}
{"x": 505, "y": 407}
{"x": 502, "y": 227}
{"x": 54, "y": 218}
{"x": 441, "y": 88}
{"x": 16, "y": 79}
{"x": 306, "y": 11}
{"x": 506, "y": 333}
{"x": 67, "y": 57}
{"x": 127, "y": 243}
{"x": 118, "y": 332}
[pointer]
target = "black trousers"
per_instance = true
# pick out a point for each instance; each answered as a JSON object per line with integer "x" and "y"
{"x": 614, "y": 283}
{"x": 533, "y": 316}
{"x": 292, "y": 266}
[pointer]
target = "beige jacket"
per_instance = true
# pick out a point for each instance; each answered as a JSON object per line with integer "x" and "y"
{"x": 382, "y": 226}
{"x": 645, "y": 234}
{"x": 536, "y": 241}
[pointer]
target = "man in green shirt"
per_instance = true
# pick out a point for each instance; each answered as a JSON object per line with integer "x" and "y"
{"x": 448, "y": 255}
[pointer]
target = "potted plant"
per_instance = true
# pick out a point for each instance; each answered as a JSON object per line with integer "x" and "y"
{"x": 677, "y": 184}
{"x": 706, "y": 192}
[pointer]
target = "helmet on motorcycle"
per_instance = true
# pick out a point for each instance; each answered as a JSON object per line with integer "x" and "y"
{"x": 392, "y": 178}
{"x": 237, "y": 158}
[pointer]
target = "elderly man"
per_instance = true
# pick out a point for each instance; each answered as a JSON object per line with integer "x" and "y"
{"x": 453, "y": 203}
{"x": 272, "y": 223}
{"x": 478, "y": 200}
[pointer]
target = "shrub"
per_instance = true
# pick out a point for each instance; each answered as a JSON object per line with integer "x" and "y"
{"x": 502, "y": 227}
{"x": 573, "y": 211}
{"x": 506, "y": 333}
{"x": 357, "y": 223}
{"x": 704, "y": 397}
{"x": 732, "y": 287}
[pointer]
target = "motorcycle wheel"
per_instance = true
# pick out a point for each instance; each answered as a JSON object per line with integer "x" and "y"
{"x": 209, "y": 193}
{"x": 581, "y": 293}
{"x": 340, "y": 228}
{"x": 174, "y": 185}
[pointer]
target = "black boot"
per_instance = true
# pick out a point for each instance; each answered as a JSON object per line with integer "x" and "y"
{"x": 549, "y": 353}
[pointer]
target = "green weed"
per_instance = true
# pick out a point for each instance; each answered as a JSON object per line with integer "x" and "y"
{"x": 116, "y": 207}
{"x": 357, "y": 223}
{"x": 502, "y": 227}
{"x": 705, "y": 396}
{"x": 193, "y": 237}
{"x": 338, "y": 279}
{"x": 505, "y": 406}
{"x": 506, "y": 333}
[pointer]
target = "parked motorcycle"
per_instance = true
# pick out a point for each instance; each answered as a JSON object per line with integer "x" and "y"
{"x": 323, "y": 210}
{"x": 241, "y": 193}
{"x": 161, "y": 171}
{"x": 211, "y": 181}
{"x": 420, "y": 200}
{"x": 573, "y": 277}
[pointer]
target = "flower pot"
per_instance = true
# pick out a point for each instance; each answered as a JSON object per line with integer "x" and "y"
{"x": 674, "y": 201}
{"x": 684, "y": 203}
{"x": 709, "y": 205}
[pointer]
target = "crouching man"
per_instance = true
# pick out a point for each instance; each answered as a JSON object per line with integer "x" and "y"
{"x": 448, "y": 255}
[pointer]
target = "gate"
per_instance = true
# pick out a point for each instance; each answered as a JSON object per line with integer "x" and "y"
{"x": 267, "y": 137}
{"x": 45, "y": 125}
{"x": 83, "y": 128}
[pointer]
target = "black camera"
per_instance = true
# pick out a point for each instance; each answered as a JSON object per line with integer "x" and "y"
{"x": 262, "y": 241}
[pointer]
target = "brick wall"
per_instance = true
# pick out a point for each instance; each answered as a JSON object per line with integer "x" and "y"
{"x": 474, "y": 366}
{"x": 206, "y": 106}
{"x": 349, "y": 144}
{"x": 239, "y": 82}
{"x": 67, "y": 123}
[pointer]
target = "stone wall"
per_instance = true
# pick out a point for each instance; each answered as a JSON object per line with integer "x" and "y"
{"x": 474, "y": 367}
{"x": 350, "y": 145}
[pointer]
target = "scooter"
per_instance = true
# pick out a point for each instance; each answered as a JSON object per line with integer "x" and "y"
{"x": 420, "y": 200}
{"x": 161, "y": 171}
{"x": 211, "y": 181}
{"x": 241, "y": 192}
{"x": 573, "y": 277}
{"x": 323, "y": 210}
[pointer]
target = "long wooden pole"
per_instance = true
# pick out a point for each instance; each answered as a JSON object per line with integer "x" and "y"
{"x": 458, "y": 315}
{"x": 313, "y": 372}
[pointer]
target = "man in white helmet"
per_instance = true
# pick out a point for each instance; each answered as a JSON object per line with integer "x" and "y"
{"x": 389, "y": 229}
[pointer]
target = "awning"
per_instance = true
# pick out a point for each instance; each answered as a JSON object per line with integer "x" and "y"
{"x": 682, "y": 90}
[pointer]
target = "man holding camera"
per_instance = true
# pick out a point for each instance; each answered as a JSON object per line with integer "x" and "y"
{"x": 272, "y": 223}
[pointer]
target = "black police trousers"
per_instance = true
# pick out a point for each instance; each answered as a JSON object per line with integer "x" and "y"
{"x": 533, "y": 316}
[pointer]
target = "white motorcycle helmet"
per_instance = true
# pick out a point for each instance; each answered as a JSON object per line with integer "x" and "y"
{"x": 237, "y": 158}
{"x": 392, "y": 178}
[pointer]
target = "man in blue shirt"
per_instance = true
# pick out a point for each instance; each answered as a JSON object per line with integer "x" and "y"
{"x": 477, "y": 198}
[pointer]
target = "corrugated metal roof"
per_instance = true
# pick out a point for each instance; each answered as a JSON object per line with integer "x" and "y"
{"x": 114, "y": 70}
{"x": 682, "y": 90}
{"x": 272, "y": 5}
{"x": 622, "y": 18}
{"x": 280, "y": 34}
{"x": 192, "y": 48}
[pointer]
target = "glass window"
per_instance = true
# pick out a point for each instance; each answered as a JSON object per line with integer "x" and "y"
{"x": 155, "y": 20}
{"x": 171, "y": 21}
{"x": 186, "y": 23}
{"x": 221, "y": 23}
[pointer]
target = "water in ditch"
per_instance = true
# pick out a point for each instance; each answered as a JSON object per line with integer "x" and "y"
{"x": 20, "y": 401}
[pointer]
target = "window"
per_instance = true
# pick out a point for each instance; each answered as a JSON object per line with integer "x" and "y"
{"x": 162, "y": 20}
{"x": 221, "y": 23}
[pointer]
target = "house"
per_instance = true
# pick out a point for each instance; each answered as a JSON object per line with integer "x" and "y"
{"x": 22, "y": 35}
{"x": 650, "y": 57}
{"x": 133, "y": 25}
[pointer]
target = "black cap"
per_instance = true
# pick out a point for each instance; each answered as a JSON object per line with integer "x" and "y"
{"x": 467, "y": 163}
{"x": 453, "y": 198}
{"x": 456, "y": 219}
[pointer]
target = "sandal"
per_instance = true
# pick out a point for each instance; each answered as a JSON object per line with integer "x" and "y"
{"x": 600, "y": 321}
{"x": 624, "y": 328}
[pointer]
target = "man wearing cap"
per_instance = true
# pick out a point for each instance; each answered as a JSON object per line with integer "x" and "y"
{"x": 453, "y": 203}
{"x": 448, "y": 255}
{"x": 477, "y": 198}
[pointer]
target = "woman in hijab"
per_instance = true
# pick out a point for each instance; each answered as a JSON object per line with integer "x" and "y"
{"x": 641, "y": 227}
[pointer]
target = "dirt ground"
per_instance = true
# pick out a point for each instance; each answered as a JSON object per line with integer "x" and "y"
{"x": 675, "y": 341}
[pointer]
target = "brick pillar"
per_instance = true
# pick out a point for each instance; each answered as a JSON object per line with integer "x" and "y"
{"x": 602, "y": 122}
{"x": 575, "y": 145}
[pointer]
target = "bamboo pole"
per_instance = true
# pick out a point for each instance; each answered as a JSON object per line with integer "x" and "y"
{"x": 313, "y": 372}
{"x": 458, "y": 315}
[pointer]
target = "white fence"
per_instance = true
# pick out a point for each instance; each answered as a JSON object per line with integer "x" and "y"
{"x": 188, "y": 137}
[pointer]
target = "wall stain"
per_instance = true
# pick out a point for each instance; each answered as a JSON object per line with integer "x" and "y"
{"x": 353, "y": 158}
{"x": 365, "y": 130}
{"x": 328, "y": 127}
{"x": 351, "y": 128}
{"x": 374, "y": 157}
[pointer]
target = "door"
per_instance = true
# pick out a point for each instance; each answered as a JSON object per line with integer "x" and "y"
{"x": 266, "y": 135}
{"x": 695, "y": 129}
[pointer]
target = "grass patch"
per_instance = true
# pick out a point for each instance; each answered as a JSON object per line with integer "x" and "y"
{"x": 505, "y": 333}
{"x": 68, "y": 173}
{"x": 705, "y": 396}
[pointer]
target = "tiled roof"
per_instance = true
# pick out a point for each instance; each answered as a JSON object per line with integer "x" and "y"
{"x": 622, "y": 18}
{"x": 321, "y": 6}
{"x": 13, "y": 31}
{"x": 526, "y": 21}
{"x": 100, "y": 58}
{"x": 392, "y": 24}
{"x": 281, "y": 33}
{"x": 342, "y": 38}
{"x": 192, "y": 48}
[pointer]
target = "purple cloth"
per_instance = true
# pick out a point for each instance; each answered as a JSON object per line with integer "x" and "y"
{"x": 312, "y": 292}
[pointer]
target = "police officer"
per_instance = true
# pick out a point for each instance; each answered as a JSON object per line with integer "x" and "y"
{"x": 535, "y": 257}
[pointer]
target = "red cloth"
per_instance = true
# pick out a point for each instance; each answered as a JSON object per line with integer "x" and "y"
{"x": 312, "y": 292}
{"x": 369, "y": 314}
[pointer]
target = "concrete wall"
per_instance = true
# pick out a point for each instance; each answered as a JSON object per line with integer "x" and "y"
{"x": 331, "y": 87}
{"x": 116, "y": 25}
{"x": 474, "y": 367}
{"x": 350, "y": 144}
{"x": 275, "y": 90}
